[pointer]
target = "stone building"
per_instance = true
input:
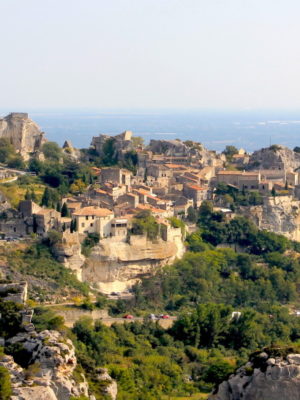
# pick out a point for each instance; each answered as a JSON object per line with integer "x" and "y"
{"x": 94, "y": 220}
{"x": 242, "y": 180}
{"x": 118, "y": 176}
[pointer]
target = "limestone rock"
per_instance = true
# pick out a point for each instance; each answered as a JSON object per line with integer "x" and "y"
{"x": 111, "y": 387}
{"x": 23, "y": 133}
{"x": 269, "y": 379}
{"x": 278, "y": 214}
{"x": 115, "y": 265}
{"x": 68, "y": 252}
{"x": 195, "y": 151}
{"x": 55, "y": 361}
{"x": 276, "y": 158}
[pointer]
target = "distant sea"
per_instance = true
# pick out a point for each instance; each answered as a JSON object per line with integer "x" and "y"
{"x": 248, "y": 129}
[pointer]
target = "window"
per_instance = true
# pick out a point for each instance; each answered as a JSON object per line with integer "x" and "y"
{"x": 82, "y": 225}
{"x": 91, "y": 224}
{"x": 87, "y": 217}
{"x": 93, "y": 216}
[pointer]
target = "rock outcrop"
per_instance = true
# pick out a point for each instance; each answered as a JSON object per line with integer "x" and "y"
{"x": 265, "y": 377}
{"x": 192, "y": 150}
{"x": 52, "y": 361}
{"x": 121, "y": 144}
{"x": 279, "y": 214}
{"x": 116, "y": 265}
{"x": 68, "y": 252}
{"x": 51, "y": 372}
{"x": 22, "y": 133}
{"x": 275, "y": 158}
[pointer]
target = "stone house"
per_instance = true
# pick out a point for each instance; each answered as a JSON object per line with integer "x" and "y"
{"x": 119, "y": 227}
{"x": 94, "y": 220}
{"x": 118, "y": 176}
{"x": 239, "y": 179}
{"x": 196, "y": 193}
{"x": 131, "y": 198}
{"x": 47, "y": 219}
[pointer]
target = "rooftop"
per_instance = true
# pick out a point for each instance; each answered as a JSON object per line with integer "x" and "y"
{"x": 96, "y": 211}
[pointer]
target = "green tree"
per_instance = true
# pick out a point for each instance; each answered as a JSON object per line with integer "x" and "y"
{"x": 64, "y": 210}
{"x": 52, "y": 151}
{"x": 5, "y": 384}
{"x": 7, "y": 150}
{"x": 27, "y": 195}
{"x": 46, "y": 198}
{"x": 192, "y": 214}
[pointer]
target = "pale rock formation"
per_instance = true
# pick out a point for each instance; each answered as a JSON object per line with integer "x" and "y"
{"x": 53, "y": 376}
{"x": 116, "y": 265}
{"x": 275, "y": 158}
{"x": 68, "y": 252}
{"x": 121, "y": 143}
{"x": 279, "y": 214}
{"x": 22, "y": 133}
{"x": 194, "y": 151}
{"x": 266, "y": 377}
{"x": 55, "y": 359}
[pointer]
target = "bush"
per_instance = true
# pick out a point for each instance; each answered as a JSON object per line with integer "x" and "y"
{"x": 5, "y": 384}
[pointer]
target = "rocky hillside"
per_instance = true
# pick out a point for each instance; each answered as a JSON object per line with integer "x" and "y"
{"x": 43, "y": 365}
{"x": 23, "y": 133}
{"x": 278, "y": 214}
{"x": 274, "y": 157}
{"x": 266, "y": 377}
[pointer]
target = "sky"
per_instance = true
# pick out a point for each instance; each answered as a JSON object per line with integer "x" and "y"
{"x": 185, "y": 54}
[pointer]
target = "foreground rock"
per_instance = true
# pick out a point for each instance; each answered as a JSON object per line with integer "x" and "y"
{"x": 22, "y": 133}
{"x": 51, "y": 372}
{"x": 266, "y": 377}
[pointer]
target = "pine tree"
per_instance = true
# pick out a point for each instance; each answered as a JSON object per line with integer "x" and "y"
{"x": 65, "y": 210}
{"x": 273, "y": 192}
{"x": 46, "y": 198}
{"x": 33, "y": 195}
{"x": 27, "y": 195}
{"x": 58, "y": 207}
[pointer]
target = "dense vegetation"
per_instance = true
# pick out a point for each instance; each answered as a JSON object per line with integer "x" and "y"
{"x": 47, "y": 277}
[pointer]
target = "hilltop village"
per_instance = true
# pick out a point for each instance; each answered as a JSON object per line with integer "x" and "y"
{"x": 198, "y": 250}
{"x": 143, "y": 200}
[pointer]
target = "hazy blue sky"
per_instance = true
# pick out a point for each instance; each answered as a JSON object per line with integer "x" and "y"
{"x": 150, "y": 53}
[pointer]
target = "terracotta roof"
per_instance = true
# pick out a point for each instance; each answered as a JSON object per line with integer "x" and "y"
{"x": 96, "y": 211}
{"x": 196, "y": 187}
{"x": 174, "y": 166}
{"x": 238, "y": 173}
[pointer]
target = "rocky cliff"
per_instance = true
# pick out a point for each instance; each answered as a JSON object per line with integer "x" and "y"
{"x": 22, "y": 133}
{"x": 51, "y": 373}
{"x": 275, "y": 157}
{"x": 265, "y": 377}
{"x": 114, "y": 264}
{"x": 279, "y": 214}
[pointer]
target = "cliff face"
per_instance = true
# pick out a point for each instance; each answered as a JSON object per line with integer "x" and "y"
{"x": 22, "y": 132}
{"x": 278, "y": 214}
{"x": 266, "y": 378}
{"x": 280, "y": 157}
{"x": 116, "y": 266}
